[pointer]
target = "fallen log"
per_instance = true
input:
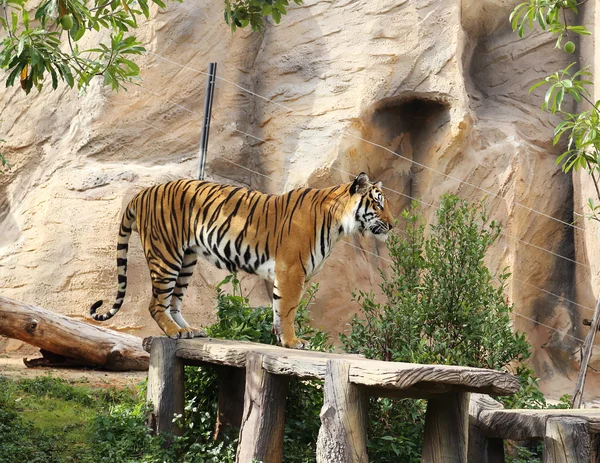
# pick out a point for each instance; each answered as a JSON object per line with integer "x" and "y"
{"x": 84, "y": 343}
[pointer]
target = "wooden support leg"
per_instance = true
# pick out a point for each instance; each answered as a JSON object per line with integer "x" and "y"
{"x": 261, "y": 433}
{"x": 446, "y": 429}
{"x": 165, "y": 386}
{"x": 483, "y": 449}
{"x": 343, "y": 433}
{"x": 231, "y": 398}
{"x": 567, "y": 441}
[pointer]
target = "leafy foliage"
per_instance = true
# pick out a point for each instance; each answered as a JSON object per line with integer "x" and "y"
{"x": 4, "y": 164}
{"x": 549, "y": 15}
{"x": 33, "y": 47}
{"x": 242, "y": 13}
{"x": 582, "y": 129}
{"x": 440, "y": 305}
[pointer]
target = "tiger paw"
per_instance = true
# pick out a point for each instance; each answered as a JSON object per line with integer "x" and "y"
{"x": 295, "y": 343}
{"x": 197, "y": 332}
{"x": 190, "y": 332}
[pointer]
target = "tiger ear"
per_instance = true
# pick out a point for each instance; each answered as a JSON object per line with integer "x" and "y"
{"x": 360, "y": 184}
{"x": 379, "y": 185}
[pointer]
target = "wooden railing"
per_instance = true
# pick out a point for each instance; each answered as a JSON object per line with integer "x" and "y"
{"x": 349, "y": 380}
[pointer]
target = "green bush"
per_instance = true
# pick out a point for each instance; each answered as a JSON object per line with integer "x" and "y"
{"x": 440, "y": 305}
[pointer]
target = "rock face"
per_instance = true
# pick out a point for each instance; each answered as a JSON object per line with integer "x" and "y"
{"x": 430, "y": 96}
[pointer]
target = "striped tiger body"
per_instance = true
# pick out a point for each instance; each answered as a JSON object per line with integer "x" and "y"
{"x": 285, "y": 239}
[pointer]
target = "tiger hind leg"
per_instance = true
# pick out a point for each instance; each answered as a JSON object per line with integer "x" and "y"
{"x": 183, "y": 279}
{"x": 162, "y": 292}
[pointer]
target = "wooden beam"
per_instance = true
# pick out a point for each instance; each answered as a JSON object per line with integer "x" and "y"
{"x": 165, "y": 386}
{"x": 263, "y": 420}
{"x": 343, "y": 433}
{"x": 587, "y": 355}
{"x": 567, "y": 440}
{"x": 416, "y": 380}
{"x": 446, "y": 429}
{"x": 86, "y": 344}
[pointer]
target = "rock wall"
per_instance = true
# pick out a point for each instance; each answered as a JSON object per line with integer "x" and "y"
{"x": 430, "y": 96}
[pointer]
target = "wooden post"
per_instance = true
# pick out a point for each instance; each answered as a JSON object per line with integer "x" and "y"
{"x": 446, "y": 429}
{"x": 261, "y": 432}
{"x": 343, "y": 434}
{"x": 165, "y": 386}
{"x": 231, "y": 398}
{"x": 587, "y": 355}
{"x": 567, "y": 441}
{"x": 482, "y": 449}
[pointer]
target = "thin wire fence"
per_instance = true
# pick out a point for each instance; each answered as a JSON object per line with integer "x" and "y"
{"x": 472, "y": 185}
{"x": 507, "y": 235}
{"x": 353, "y": 175}
{"x": 559, "y": 297}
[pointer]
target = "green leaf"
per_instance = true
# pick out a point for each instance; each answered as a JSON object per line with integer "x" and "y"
{"x": 13, "y": 75}
{"x": 15, "y": 20}
{"x": 25, "y": 18}
{"x": 276, "y": 16}
{"x": 539, "y": 84}
{"x": 21, "y": 45}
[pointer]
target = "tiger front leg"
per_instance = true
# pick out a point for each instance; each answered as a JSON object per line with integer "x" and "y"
{"x": 288, "y": 289}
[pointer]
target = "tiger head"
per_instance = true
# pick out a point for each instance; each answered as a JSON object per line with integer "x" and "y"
{"x": 373, "y": 214}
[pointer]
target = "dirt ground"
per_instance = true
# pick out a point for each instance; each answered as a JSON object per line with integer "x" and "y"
{"x": 12, "y": 366}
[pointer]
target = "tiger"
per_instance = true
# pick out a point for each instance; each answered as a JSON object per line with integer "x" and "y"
{"x": 282, "y": 238}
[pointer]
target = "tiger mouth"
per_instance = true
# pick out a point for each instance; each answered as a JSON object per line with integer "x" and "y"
{"x": 379, "y": 229}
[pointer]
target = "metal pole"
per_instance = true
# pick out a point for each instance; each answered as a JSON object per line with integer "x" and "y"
{"x": 208, "y": 99}
{"x": 588, "y": 345}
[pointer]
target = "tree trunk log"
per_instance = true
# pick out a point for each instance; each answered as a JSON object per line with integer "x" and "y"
{"x": 343, "y": 433}
{"x": 567, "y": 441}
{"x": 446, "y": 429}
{"x": 263, "y": 420}
{"x": 83, "y": 342}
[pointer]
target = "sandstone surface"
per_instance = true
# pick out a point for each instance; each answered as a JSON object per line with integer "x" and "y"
{"x": 429, "y": 96}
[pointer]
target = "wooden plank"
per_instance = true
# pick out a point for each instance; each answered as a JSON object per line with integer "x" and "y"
{"x": 446, "y": 429}
{"x": 530, "y": 424}
{"x": 397, "y": 375}
{"x": 587, "y": 355}
{"x": 567, "y": 440}
{"x": 263, "y": 420}
{"x": 343, "y": 433}
{"x": 372, "y": 373}
{"x": 165, "y": 386}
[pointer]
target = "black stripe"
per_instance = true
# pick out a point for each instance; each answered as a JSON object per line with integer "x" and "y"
{"x": 276, "y": 297}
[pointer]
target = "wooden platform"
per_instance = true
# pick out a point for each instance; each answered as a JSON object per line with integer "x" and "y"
{"x": 569, "y": 436}
{"x": 349, "y": 380}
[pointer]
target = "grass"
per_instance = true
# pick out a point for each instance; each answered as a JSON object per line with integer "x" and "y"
{"x": 48, "y": 419}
